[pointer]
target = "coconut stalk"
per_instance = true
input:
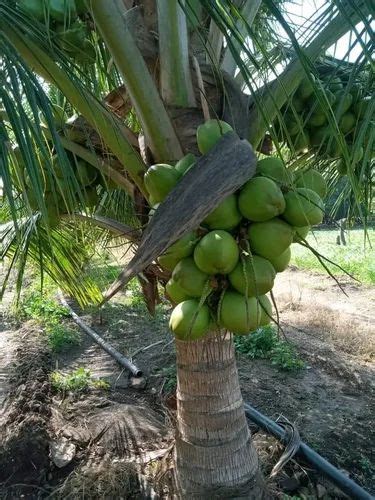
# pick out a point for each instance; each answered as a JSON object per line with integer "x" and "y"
{"x": 214, "y": 44}
{"x": 110, "y": 17}
{"x": 175, "y": 76}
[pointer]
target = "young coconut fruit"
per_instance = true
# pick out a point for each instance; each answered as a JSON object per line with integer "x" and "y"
{"x": 271, "y": 238}
{"x": 159, "y": 180}
{"x": 179, "y": 250}
{"x": 261, "y": 199}
{"x": 347, "y": 122}
{"x": 266, "y": 310}
{"x": 304, "y": 207}
{"x": 216, "y": 253}
{"x": 281, "y": 262}
{"x": 188, "y": 321}
{"x": 175, "y": 293}
{"x": 256, "y": 273}
{"x": 225, "y": 216}
{"x": 189, "y": 277}
{"x": 274, "y": 169}
{"x": 239, "y": 314}
{"x": 313, "y": 180}
{"x": 185, "y": 163}
{"x": 209, "y": 133}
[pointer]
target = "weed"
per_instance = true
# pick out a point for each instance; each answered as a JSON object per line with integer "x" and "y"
{"x": 40, "y": 307}
{"x": 50, "y": 314}
{"x": 284, "y": 356}
{"x": 264, "y": 343}
{"x": 169, "y": 373}
{"x": 365, "y": 465}
{"x": 61, "y": 337}
{"x": 77, "y": 381}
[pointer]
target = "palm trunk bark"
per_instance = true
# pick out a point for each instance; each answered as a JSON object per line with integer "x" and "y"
{"x": 215, "y": 456}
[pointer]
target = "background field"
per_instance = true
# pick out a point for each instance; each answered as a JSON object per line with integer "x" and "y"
{"x": 357, "y": 257}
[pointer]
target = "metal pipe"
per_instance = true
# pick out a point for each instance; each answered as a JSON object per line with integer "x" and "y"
{"x": 338, "y": 478}
{"x": 122, "y": 360}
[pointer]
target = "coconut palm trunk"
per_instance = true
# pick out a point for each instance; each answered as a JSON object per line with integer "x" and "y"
{"x": 215, "y": 456}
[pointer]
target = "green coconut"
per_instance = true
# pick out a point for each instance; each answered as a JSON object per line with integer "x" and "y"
{"x": 303, "y": 207}
{"x": 343, "y": 102}
{"x": 301, "y": 141}
{"x": 361, "y": 106}
{"x": 216, "y": 253}
{"x": 209, "y": 133}
{"x": 239, "y": 314}
{"x": 297, "y": 103}
{"x": 306, "y": 88}
{"x": 159, "y": 180}
{"x": 319, "y": 136}
{"x": 179, "y": 250}
{"x": 317, "y": 119}
{"x": 225, "y": 216}
{"x": 313, "y": 180}
{"x": 175, "y": 293}
{"x": 256, "y": 273}
{"x": 347, "y": 122}
{"x": 62, "y": 11}
{"x": 281, "y": 262}
{"x": 271, "y": 238}
{"x": 86, "y": 173}
{"x": 261, "y": 199}
{"x": 183, "y": 165}
{"x": 188, "y": 321}
{"x": 335, "y": 84}
{"x": 73, "y": 37}
{"x": 189, "y": 277}
{"x": 33, "y": 8}
{"x": 274, "y": 169}
{"x": 300, "y": 233}
{"x": 265, "y": 310}
{"x": 357, "y": 155}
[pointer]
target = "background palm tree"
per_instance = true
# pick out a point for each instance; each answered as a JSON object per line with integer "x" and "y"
{"x": 136, "y": 78}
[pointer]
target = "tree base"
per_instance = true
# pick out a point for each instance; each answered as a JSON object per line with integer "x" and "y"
{"x": 214, "y": 453}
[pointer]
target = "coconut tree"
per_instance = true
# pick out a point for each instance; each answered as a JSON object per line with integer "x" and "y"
{"x": 94, "y": 93}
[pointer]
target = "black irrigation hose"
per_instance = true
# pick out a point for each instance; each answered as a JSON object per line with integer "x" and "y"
{"x": 122, "y": 360}
{"x": 338, "y": 478}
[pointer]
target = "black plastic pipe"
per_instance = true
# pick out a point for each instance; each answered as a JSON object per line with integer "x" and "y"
{"x": 120, "y": 358}
{"x": 338, "y": 478}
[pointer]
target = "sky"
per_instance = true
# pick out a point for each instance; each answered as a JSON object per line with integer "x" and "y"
{"x": 299, "y": 10}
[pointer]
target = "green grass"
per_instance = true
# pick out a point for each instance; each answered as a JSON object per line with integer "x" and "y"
{"x": 264, "y": 343}
{"x": 356, "y": 258}
{"x": 77, "y": 381}
{"x": 44, "y": 308}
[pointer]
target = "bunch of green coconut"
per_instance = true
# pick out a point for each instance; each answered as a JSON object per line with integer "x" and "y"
{"x": 222, "y": 272}
{"x": 67, "y": 21}
{"x": 84, "y": 176}
{"x": 307, "y": 119}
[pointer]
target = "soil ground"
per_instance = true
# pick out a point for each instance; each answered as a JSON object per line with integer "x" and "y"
{"x": 127, "y": 428}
